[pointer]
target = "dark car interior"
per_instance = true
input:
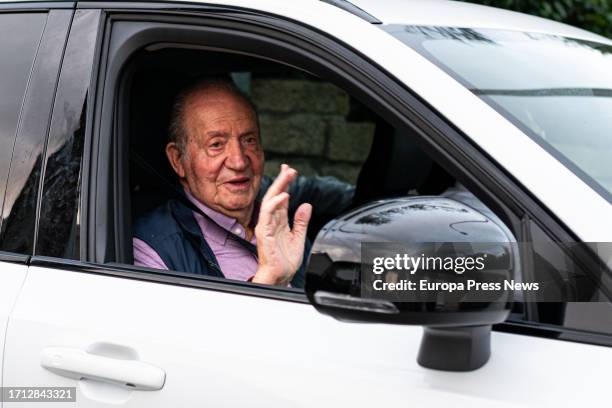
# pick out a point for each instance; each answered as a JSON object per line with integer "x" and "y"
{"x": 395, "y": 165}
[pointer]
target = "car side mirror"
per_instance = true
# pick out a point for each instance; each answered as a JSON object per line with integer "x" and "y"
{"x": 457, "y": 324}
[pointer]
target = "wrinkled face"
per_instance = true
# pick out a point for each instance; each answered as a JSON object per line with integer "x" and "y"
{"x": 223, "y": 159}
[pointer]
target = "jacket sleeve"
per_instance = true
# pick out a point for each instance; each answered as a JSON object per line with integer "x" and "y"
{"x": 328, "y": 195}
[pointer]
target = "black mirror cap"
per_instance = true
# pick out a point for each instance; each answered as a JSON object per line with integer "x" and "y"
{"x": 460, "y": 328}
{"x": 333, "y": 277}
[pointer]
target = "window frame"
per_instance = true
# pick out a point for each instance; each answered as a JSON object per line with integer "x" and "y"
{"x": 24, "y": 6}
{"x": 355, "y": 73}
{"x": 208, "y": 24}
{"x": 71, "y": 103}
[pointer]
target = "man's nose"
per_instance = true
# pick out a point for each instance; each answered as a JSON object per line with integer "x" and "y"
{"x": 236, "y": 157}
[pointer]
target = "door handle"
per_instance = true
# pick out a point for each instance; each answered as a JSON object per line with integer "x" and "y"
{"x": 76, "y": 363}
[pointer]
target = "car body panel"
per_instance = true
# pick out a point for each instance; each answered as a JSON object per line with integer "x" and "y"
{"x": 224, "y": 349}
{"x": 217, "y": 350}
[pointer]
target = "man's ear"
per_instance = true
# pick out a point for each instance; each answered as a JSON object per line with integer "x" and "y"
{"x": 175, "y": 158}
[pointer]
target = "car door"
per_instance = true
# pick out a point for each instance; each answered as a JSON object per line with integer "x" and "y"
{"x": 122, "y": 336}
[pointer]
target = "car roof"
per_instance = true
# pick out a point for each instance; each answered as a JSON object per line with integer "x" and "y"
{"x": 422, "y": 12}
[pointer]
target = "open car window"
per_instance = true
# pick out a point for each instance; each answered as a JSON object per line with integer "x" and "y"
{"x": 347, "y": 156}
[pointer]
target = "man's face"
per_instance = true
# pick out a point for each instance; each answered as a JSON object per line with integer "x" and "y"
{"x": 223, "y": 159}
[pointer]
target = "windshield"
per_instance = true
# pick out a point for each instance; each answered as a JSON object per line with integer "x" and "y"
{"x": 557, "y": 90}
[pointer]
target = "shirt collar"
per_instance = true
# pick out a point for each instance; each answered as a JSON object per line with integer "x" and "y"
{"x": 224, "y": 221}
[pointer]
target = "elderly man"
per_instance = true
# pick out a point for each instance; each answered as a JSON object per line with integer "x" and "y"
{"x": 224, "y": 229}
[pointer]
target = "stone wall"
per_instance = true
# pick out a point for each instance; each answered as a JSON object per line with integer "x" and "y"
{"x": 304, "y": 123}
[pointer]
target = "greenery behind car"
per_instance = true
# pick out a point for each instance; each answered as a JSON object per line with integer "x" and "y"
{"x": 592, "y": 15}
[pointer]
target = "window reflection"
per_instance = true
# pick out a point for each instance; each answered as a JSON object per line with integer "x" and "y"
{"x": 558, "y": 90}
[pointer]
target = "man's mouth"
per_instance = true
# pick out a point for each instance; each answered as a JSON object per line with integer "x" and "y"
{"x": 238, "y": 183}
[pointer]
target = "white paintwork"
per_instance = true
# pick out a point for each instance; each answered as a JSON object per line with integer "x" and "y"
{"x": 229, "y": 350}
{"x": 12, "y": 276}
{"x": 221, "y": 349}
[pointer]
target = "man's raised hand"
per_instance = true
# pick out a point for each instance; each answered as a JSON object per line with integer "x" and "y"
{"x": 280, "y": 249}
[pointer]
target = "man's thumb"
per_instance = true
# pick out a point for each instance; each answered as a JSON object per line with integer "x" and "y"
{"x": 301, "y": 219}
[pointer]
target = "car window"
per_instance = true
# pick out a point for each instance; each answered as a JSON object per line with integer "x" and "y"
{"x": 20, "y": 35}
{"x": 304, "y": 121}
{"x": 556, "y": 89}
{"x": 346, "y": 154}
{"x": 314, "y": 123}
{"x": 574, "y": 295}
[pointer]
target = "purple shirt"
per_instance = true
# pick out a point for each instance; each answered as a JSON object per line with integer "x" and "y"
{"x": 236, "y": 261}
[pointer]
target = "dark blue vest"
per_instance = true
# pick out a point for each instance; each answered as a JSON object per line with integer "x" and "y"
{"x": 173, "y": 232}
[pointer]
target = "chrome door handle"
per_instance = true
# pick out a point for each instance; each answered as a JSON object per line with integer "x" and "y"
{"x": 76, "y": 363}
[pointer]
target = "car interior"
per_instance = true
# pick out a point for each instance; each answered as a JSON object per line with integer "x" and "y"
{"x": 394, "y": 164}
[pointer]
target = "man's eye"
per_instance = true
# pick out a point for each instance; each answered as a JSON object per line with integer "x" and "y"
{"x": 250, "y": 140}
{"x": 216, "y": 145}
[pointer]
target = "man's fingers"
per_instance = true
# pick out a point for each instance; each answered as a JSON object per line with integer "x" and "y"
{"x": 301, "y": 219}
{"x": 281, "y": 183}
{"x": 272, "y": 204}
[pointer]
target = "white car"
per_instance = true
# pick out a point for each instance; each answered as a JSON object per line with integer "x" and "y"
{"x": 515, "y": 108}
